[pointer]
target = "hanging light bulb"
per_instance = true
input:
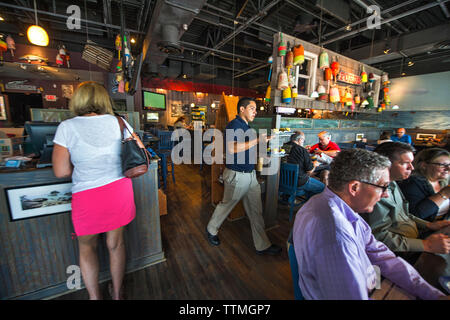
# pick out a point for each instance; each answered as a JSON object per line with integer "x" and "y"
{"x": 36, "y": 34}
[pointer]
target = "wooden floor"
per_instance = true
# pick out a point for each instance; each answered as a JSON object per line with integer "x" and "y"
{"x": 196, "y": 270}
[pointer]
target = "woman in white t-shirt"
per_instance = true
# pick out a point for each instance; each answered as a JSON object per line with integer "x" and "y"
{"x": 88, "y": 149}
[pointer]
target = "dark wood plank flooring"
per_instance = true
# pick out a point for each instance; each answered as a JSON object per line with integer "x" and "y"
{"x": 196, "y": 270}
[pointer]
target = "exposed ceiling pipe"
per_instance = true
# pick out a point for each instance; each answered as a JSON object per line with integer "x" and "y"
{"x": 61, "y": 16}
{"x": 242, "y": 27}
{"x": 188, "y": 44}
{"x": 402, "y": 15}
{"x": 365, "y": 6}
{"x": 405, "y": 29}
{"x": 365, "y": 19}
{"x": 296, "y": 5}
{"x": 251, "y": 70}
{"x": 444, "y": 8}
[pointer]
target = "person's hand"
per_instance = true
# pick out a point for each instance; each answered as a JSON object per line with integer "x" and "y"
{"x": 307, "y": 147}
{"x": 316, "y": 163}
{"x": 318, "y": 151}
{"x": 265, "y": 138}
{"x": 437, "y": 243}
{"x": 437, "y": 225}
{"x": 445, "y": 191}
{"x": 444, "y": 298}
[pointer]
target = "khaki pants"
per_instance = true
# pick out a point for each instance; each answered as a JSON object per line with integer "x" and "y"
{"x": 245, "y": 186}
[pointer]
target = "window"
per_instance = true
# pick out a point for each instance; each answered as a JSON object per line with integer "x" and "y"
{"x": 305, "y": 75}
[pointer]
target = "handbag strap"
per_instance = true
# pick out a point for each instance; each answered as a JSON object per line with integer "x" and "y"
{"x": 122, "y": 125}
{"x": 133, "y": 136}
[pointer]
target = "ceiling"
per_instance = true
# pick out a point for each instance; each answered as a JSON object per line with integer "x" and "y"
{"x": 229, "y": 42}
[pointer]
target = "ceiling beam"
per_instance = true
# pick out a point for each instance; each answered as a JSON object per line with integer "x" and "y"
{"x": 61, "y": 16}
{"x": 402, "y": 15}
{"x": 241, "y": 28}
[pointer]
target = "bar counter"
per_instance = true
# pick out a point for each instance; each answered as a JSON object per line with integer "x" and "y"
{"x": 36, "y": 252}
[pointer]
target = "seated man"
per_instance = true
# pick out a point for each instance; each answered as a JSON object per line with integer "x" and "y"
{"x": 391, "y": 221}
{"x": 326, "y": 147}
{"x": 335, "y": 249}
{"x": 300, "y": 156}
{"x": 400, "y": 136}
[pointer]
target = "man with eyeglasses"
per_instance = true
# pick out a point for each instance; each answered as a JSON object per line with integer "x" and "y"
{"x": 391, "y": 221}
{"x": 335, "y": 249}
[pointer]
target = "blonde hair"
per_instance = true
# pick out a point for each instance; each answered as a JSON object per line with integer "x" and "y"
{"x": 90, "y": 97}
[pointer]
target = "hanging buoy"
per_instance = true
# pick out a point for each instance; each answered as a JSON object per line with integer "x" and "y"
{"x": 268, "y": 92}
{"x": 11, "y": 44}
{"x": 334, "y": 95}
{"x": 335, "y": 69}
{"x": 328, "y": 74}
{"x": 385, "y": 79}
{"x": 289, "y": 57}
{"x": 281, "y": 47}
{"x": 294, "y": 92}
{"x": 118, "y": 44}
{"x": 357, "y": 99}
{"x": 282, "y": 80}
{"x": 299, "y": 55}
{"x": 324, "y": 61}
{"x": 363, "y": 76}
{"x": 371, "y": 80}
{"x": 3, "y": 48}
{"x": 287, "y": 95}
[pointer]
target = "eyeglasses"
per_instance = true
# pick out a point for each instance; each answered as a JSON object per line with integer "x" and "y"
{"x": 384, "y": 188}
{"x": 441, "y": 165}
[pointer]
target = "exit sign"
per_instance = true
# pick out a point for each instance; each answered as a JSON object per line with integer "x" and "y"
{"x": 50, "y": 97}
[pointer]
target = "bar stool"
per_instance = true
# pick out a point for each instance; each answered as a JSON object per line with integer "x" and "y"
{"x": 165, "y": 146}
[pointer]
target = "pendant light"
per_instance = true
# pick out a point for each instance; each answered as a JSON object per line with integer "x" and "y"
{"x": 36, "y": 34}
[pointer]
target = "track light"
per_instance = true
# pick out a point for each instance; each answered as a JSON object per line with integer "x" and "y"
{"x": 410, "y": 63}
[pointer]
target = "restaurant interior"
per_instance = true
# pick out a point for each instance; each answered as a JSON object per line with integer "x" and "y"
{"x": 356, "y": 69}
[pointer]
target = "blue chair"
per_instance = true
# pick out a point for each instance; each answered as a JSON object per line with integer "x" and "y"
{"x": 165, "y": 142}
{"x": 288, "y": 185}
{"x": 294, "y": 268}
{"x": 165, "y": 145}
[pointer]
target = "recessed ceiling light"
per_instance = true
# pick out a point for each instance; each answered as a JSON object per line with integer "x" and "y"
{"x": 410, "y": 63}
{"x": 403, "y": 74}
{"x": 2, "y": 19}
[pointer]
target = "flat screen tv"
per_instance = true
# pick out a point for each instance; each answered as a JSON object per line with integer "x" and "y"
{"x": 154, "y": 101}
{"x": 152, "y": 117}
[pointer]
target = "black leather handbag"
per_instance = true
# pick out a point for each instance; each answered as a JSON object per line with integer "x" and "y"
{"x": 135, "y": 158}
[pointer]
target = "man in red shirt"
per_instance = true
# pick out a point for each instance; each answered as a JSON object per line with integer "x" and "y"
{"x": 325, "y": 146}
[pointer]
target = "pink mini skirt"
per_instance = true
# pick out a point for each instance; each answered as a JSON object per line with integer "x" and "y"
{"x": 104, "y": 208}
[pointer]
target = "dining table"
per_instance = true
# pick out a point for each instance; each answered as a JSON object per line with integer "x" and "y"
{"x": 431, "y": 266}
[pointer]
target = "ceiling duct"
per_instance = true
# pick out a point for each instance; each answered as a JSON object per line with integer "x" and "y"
{"x": 170, "y": 40}
{"x": 174, "y": 69}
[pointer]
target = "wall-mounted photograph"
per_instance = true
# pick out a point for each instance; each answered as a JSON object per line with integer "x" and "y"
{"x": 41, "y": 200}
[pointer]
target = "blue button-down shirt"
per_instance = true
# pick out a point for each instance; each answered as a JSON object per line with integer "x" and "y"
{"x": 406, "y": 138}
{"x": 336, "y": 254}
{"x": 242, "y": 161}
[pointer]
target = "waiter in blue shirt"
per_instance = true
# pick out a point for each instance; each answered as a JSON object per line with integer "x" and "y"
{"x": 240, "y": 181}
{"x": 400, "y": 136}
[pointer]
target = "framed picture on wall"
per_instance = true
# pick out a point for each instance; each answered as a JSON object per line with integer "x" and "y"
{"x": 40, "y": 200}
{"x": 67, "y": 91}
{"x": 2, "y": 108}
